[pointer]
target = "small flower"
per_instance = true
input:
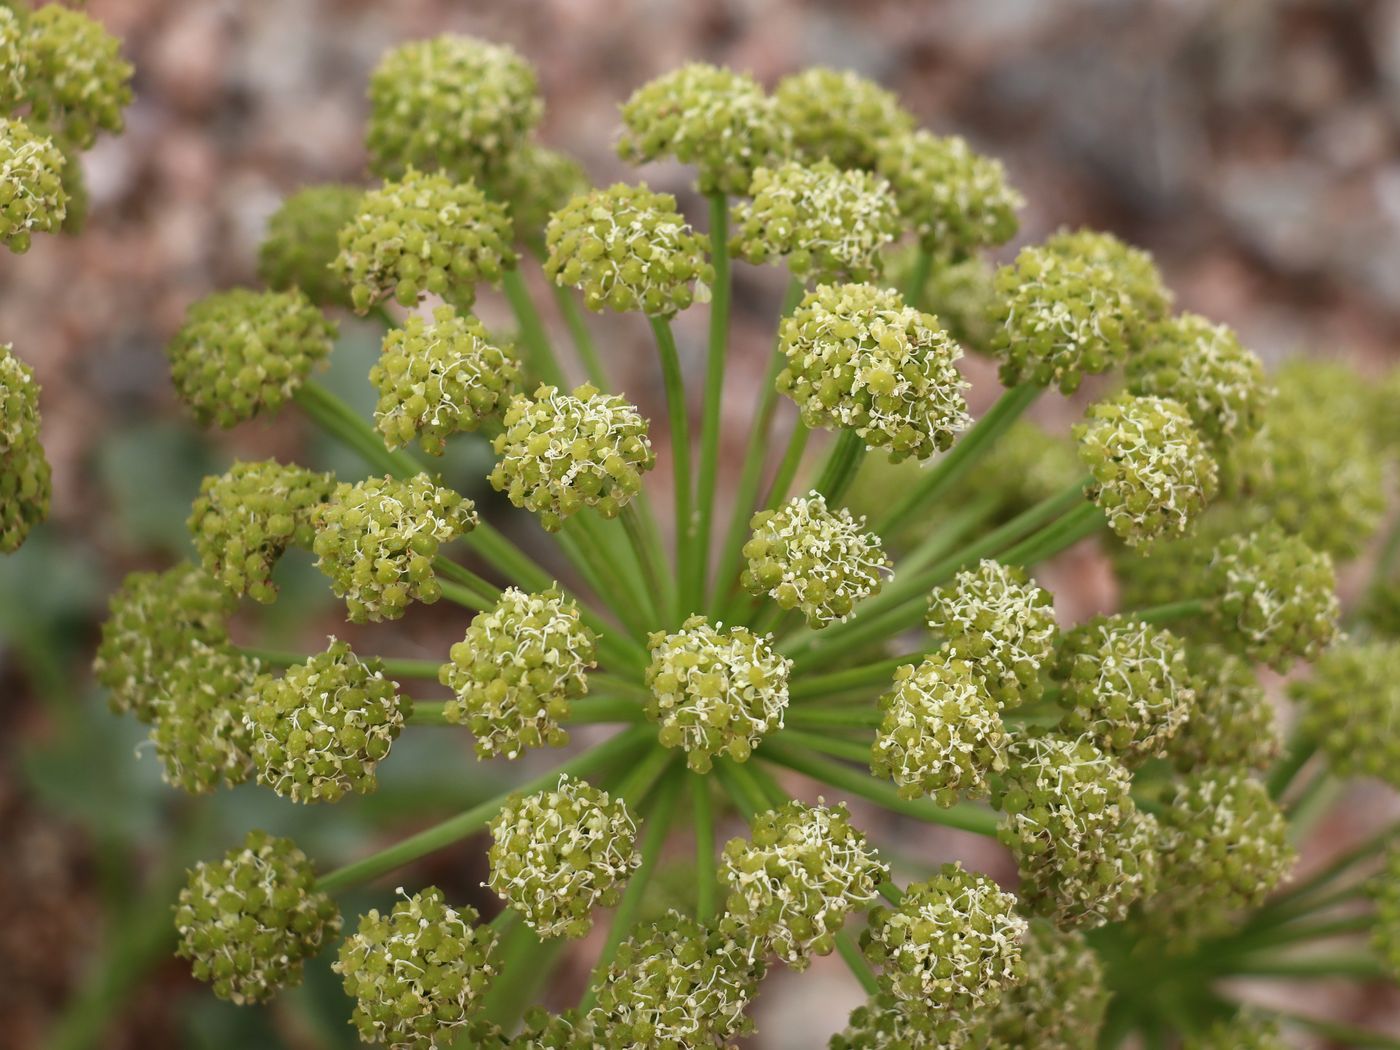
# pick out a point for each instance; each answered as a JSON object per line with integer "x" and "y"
{"x": 423, "y": 234}
{"x": 1152, "y": 473}
{"x": 561, "y": 453}
{"x": 1233, "y": 724}
{"x": 241, "y": 352}
{"x": 32, "y": 194}
{"x": 303, "y": 239}
{"x": 795, "y": 881}
{"x": 1351, "y": 708}
{"x": 1127, "y": 684}
{"x": 1061, "y": 1003}
{"x": 1384, "y": 892}
{"x": 376, "y": 541}
{"x": 1002, "y": 624}
{"x": 715, "y": 692}
{"x": 628, "y": 249}
{"x": 1244, "y": 1031}
{"x": 952, "y": 942}
{"x": 839, "y": 116}
{"x": 956, "y": 199}
{"x": 198, "y": 727}
{"x": 321, "y": 729}
{"x": 1276, "y": 597}
{"x": 559, "y": 854}
{"x": 807, "y": 557}
{"x": 453, "y": 104}
{"x": 859, "y": 359}
{"x": 77, "y": 80}
{"x": 249, "y": 921}
{"x": 440, "y": 377}
{"x": 1085, "y": 852}
{"x": 154, "y": 621}
{"x": 714, "y": 119}
{"x": 941, "y": 734}
{"x": 535, "y": 183}
{"x": 26, "y": 484}
{"x": 827, "y": 224}
{"x": 1202, "y": 367}
{"x": 679, "y": 986}
{"x": 516, "y": 670}
{"x": 418, "y": 974}
{"x": 245, "y": 519}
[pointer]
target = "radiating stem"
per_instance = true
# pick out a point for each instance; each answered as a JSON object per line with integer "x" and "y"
{"x": 837, "y": 747}
{"x": 706, "y": 871}
{"x": 1169, "y": 612}
{"x": 855, "y": 960}
{"x": 841, "y": 466}
{"x": 539, "y": 356}
{"x": 656, "y": 576}
{"x": 1301, "y": 748}
{"x": 787, "y": 468}
{"x": 394, "y": 667}
{"x": 464, "y": 596}
{"x": 459, "y": 574}
{"x": 708, "y": 477}
{"x": 918, "y": 277}
{"x": 674, "y": 383}
{"x": 580, "y": 335}
{"x": 839, "y": 681}
{"x": 1338, "y": 1032}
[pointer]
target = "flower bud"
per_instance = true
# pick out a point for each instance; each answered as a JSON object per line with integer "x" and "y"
{"x": 26, "y": 483}
{"x": 941, "y": 734}
{"x": 535, "y": 183}
{"x": 154, "y": 621}
{"x": 839, "y": 116}
{"x": 828, "y": 225}
{"x": 1244, "y": 1031}
{"x": 628, "y": 249}
{"x": 1232, "y": 725}
{"x": 78, "y": 83}
{"x": 795, "y": 881}
{"x": 715, "y": 692}
{"x": 1001, "y": 623}
{"x": 423, "y": 235}
{"x": 1351, "y": 708}
{"x": 198, "y": 727}
{"x": 320, "y": 730}
{"x": 807, "y": 557}
{"x": 440, "y": 377}
{"x": 859, "y": 359}
{"x": 516, "y": 670}
{"x": 561, "y": 453}
{"x": 1152, "y": 473}
{"x": 714, "y": 119}
{"x": 679, "y": 986}
{"x": 245, "y": 519}
{"x": 453, "y": 104}
{"x": 1276, "y": 598}
{"x": 957, "y": 200}
{"x": 32, "y": 194}
{"x": 418, "y": 974}
{"x": 1127, "y": 684}
{"x": 242, "y": 352}
{"x": 303, "y": 239}
{"x": 376, "y": 541}
{"x": 1061, "y": 1003}
{"x": 249, "y": 921}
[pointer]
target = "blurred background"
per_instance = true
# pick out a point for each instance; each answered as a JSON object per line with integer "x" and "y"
{"x": 1254, "y": 146}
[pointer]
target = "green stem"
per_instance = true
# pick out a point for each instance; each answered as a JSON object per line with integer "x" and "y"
{"x": 634, "y": 787}
{"x": 453, "y": 830}
{"x": 429, "y": 713}
{"x": 1342, "y": 1033}
{"x": 748, "y": 805}
{"x": 1300, "y": 749}
{"x": 856, "y": 961}
{"x": 1169, "y": 612}
{"x": 787, "y": 468}
{"x": 1289, "y": 904}
{"x": 582, "y": 338}
{"x": 1081, "y": 522}
{"x": 757, "y": 792}
{"x": 706, "y": 871}
{"x": 918, "y": 277}
{"x": 850, "y": 750}
{"x": 656, "y": 576}
{"x": 486, "y": 590}
{"x": 841, "y": 466}
{"x": 393, "y": 666}
{"x": 523, "y": 964}
{"x": 604, "y": 709}
{"x": 686, "y": 524}
{"x": 963, "y": 816}
{"x": 653, "y": 838}
{"x": 840, "y": 717}
{"x": 464, "y": 596}
{"x": 539, "y": 356}
{"x": 943, "y": 540}
{"x": 1314, "y": 931}
{"x": 1359, "y": 966}
{"x": 820, "y": 685}
{"x": 582, "y": 548}
{"x": 342, "y": 422}
{"x": 710, "y": 422}
{"x": 961, "y": 457}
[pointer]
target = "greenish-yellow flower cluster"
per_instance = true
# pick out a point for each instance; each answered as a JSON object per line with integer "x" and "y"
{"x": 26, "y": 483}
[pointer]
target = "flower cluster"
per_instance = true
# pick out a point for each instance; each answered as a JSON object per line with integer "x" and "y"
{"x": 320, "y": 730}
{"x": 1233, "y": 724}
{"x": 714, "y": 692}
{"x": 561, "y": 453}
{"x": 796, "y": 879}
{"x": 1245, "y": 1031}
{"x": 859, "y": 359}
{"x": 809, "y": 558}
{"x": 303, "y": 239}
{"x": 839, "y": 116}
{"x": 376, "y": 540}
{"x": 438, "y": 378}
{"x": 33, "y": 198}
{"x": 827, "y": 224}
{"x": 514, "y": 673}
{"x": 75, "y": 78}
{"x": 559, "y": 854}
{"x": 242, "y": 352}
{"x": 198, "y": 722}
{"x": 1351, "y": 708}
{"x": 1060, "y": 1004}
{"x": 25, "y": 479}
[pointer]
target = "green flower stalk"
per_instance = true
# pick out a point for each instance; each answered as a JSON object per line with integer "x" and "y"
{"x": 76, "y": 80}
{"x": 1351, "y": 708}
{"x": 516, "y": 671}
{"x": 628, "y": 249}
{"x": 1061, "y": 1002}
{"x": 241, "y": 353}
{"x": 248, "y": 922}
{"x": 718, "y": 121}
{"x": 33, "y": 198}
{"x": 26, "y": 483}
{"x": 858, "y": 359}
{"x": 319, "y": 731}
{"x": 453, "y": 104}
{"x": 1384, "y": 893}
{"x": 839, "y": 116}
{"x": 417, "y": 974}
{"x": 714, "y": 692}
{"x": 198, "y": 726}
{"x": 559, "y": 855}
{"x": 826, "y": 224}
{"x": 303, "y": 240}
{"x": 438, "y": 378}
